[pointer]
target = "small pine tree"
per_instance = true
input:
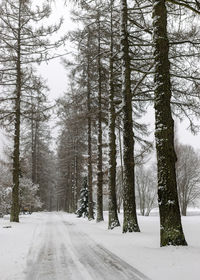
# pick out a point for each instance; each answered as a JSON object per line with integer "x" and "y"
{"x": 83, "y": 209}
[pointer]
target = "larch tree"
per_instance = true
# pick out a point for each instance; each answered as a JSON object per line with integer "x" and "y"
{"x": 95, "y": 20}
{"x": 83, "y": 79}
{"x": 89, "y": 130}
{"x": 188, "y": 176}
{"x": 22, "y": 45}
{"x": 130, "y": 222}
{"x": 171, "y": 231}
{"x": 92, "y": 65}
{"x": 99, "y": 125}
{"x": 112, "y": 202}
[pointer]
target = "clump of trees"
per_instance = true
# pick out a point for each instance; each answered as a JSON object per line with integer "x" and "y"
{"x": 116, "y": 76}
{"x": 125, "y": 60}
{"x": 25, "y": 41}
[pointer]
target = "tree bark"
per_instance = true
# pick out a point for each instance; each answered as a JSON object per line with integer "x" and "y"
{"x": 14, "y": 216}
{"x": 89, "y": 134}
{"x": 112, "y": 206}
{"x": 34, "y": 150}
{"x": 171, "y": 232}
{"x": 184, "y": 211}
{"x": 130, "y": 218}
{"x": 120, "y": 199}
{"x": 99, "y": 131}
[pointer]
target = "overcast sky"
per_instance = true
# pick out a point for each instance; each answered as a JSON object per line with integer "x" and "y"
{"x": 57, "y": 79}
{"x": 56, "y": 75}
{"x": 53, "y": 71}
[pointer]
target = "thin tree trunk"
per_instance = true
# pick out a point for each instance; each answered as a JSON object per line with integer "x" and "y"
{"x": 99, "y": 131}
{"x": 170, "y": 221}
{"x": 112, "y": 206}
{"x": 122, "y": 168}
{"x": 76, "y": 182}
{"x": 67, "y": 194}
{"x": 14, "y": 217}
{"x": 184, "y": 211}
{"x": 72, "y": 180}
{"x": 32, "y": 145}
{"x": 89, "y": 134}
{"x": 34, "y": 151}
{"x": 130, "y": 218}
{"x": 183, "y": 207}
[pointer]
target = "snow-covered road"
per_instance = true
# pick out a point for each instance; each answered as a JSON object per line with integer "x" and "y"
{"x": 60, "y": 250}
{"x": 59, "y": 246}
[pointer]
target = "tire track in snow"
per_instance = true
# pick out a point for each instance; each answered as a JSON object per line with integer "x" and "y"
{"x": 40, "y": 262}
{"x": 60, "y": 251}
{"x": 51, "y": 256}
{"x": 100, "y": 262}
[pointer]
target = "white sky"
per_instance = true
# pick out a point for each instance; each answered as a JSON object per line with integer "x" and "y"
{"x": 56, "y": 75}
{"x": 54, "y": 72}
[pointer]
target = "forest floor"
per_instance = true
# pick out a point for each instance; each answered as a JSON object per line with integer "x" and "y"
{"x": 58, "y": 246}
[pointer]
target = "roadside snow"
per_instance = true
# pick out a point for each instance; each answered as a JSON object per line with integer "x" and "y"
{"x": 141, "y": 250}
{"x": 14, "y": 245}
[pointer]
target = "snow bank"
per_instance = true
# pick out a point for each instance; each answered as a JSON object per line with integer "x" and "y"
{"x": 14, "y": 245}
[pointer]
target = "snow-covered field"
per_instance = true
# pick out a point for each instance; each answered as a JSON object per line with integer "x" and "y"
{"x": 29, "y": 249}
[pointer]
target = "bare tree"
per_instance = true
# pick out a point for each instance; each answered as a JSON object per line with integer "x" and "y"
{"x": 146, "y": 191}
{"x": 188, "y": 176}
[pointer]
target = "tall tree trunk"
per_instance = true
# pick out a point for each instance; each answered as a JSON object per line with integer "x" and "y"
{"x": 14, "y": 217}
{"x": 32, "y": 145}
{"x": 99, "y": 131}
{"x": 67, "y": 193}
{"x": 120, "y": 199}
{"x": 76, "y": 182}
{"x": 171, "y": 232}
{"x": 72, "y": 179}
{"x": 34, "y": 150}
{"x": 130, "y": 217}
{"x": 89, "y": 134}
{"x": 75, "y": 173}
{"x": 112, "y": 206}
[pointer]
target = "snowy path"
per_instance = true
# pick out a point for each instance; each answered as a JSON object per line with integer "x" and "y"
{"x": 61, "y": 251}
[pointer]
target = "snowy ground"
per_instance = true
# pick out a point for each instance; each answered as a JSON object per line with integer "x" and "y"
{"x": 57, "y": 246}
